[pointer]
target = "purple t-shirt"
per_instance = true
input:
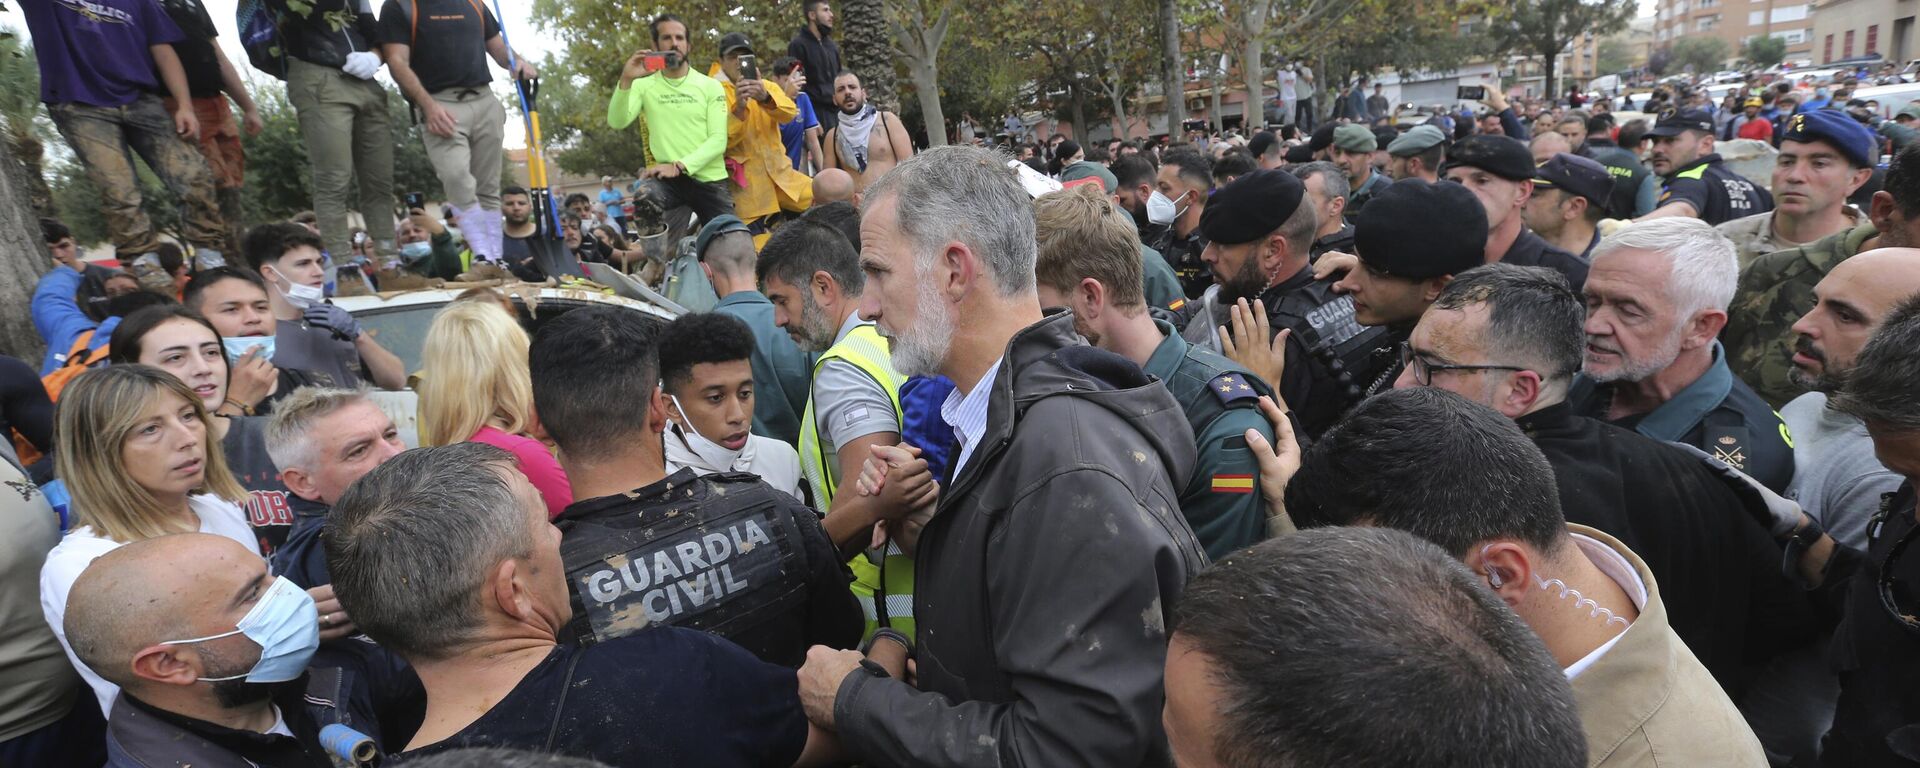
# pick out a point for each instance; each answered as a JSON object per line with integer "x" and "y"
{"x": 95, "y": 51}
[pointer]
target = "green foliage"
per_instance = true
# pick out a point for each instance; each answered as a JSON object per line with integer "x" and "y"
{"x": 280, "y": 178}
{"x": 1700, "y": 53}
{"x": 1764, "y": 51}
{"x": 1544, "y": 28}
{"x": 1615, "y": 55}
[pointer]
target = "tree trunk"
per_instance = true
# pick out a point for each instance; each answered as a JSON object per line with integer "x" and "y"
{"x": 1253, "y": 111}
{"x": 868, "y": 51}
{"x": 25, "y": 259}
{"x": 1119, "y": 112}
{"x": 1214, "y": 118}
{"x": 1079, "y": 97}
{"x": 1547, "y": 69}
{"x": 1173, "y": 75}
{"x": 926, "y": 83}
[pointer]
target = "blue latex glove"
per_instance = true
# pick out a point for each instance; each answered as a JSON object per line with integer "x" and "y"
{"x": 334, "y": 319}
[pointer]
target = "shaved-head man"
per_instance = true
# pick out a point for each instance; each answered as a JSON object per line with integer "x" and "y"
{"x": 202, "y": 640}
{"x": 1838, "y": 480}
{"x": 833, "y": 185}
{"x": 1546, "y": 144}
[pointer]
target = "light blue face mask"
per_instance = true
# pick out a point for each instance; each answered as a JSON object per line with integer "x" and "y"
{"x": 284, "y": 624}
{"x": 237, "y": 346}
{"x": 414, "y": 252}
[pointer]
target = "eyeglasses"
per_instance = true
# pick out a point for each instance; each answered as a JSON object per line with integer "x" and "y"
{"x": 1423, "y": 370}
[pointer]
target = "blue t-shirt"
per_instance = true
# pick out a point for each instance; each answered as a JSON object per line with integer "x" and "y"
{"x": 95, "y": 51}
{"x": 794, "y": 132}
{"x": 662, "y": 696}
{"x": 612, "y": 199}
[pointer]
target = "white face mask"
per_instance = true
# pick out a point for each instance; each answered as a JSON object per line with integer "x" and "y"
{"x": 714, "y": 454}
{"x": 301, "y": 296}
{"x": 1161, "y": 210}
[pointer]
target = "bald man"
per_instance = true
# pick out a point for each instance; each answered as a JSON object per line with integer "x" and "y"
{"x": 1546, "y": 144}
{"x": 834, "y": 186}
{"x": 1837, "y": 479}
{"x": 173, "y": 621}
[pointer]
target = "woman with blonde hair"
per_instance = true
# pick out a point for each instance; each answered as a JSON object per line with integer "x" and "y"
{"x": 476, "y": 388}
{"x": 132, "y": 447}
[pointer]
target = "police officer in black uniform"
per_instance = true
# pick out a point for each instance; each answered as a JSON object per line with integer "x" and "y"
{"x": 1329, "y": 355}
{"x": 1410, "y": 241}
{"x": 1181, "y": 190}
{"x": 1629, "y": 174}
{"x": 723, "y": 553}
{"x": 1694, "y": 181}
{"x": 1500, "y": 172}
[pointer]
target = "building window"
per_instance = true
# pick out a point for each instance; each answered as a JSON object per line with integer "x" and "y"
{"x": 1795, "y": 37}
{"x": 1756, "y": 18}
{"x": 1873, "y": 39}
{"x": 1789, "y": 13}
{"x": 1827, "y": 54}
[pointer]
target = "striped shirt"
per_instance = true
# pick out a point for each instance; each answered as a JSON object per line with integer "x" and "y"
{"x": 967, "y": 414}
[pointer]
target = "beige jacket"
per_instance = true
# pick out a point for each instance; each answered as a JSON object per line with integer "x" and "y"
{"x": 1649, "y": 702}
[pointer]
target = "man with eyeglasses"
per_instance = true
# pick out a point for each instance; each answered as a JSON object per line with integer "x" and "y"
{"x": 1511, "y": 337}
{"x": 1875, "y": 593}
{"x": 1410, "y": 241}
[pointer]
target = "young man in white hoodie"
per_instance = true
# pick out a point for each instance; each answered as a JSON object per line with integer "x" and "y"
{"x": 708, "y": 381}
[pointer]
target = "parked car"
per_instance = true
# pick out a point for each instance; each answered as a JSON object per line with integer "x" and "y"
{"x": 400, "y": 321}
{"x": 1891, "y": 97}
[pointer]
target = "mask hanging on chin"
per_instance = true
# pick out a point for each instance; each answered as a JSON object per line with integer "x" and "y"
{"x": 301, "y": 296}
{"x": 714, "y": 455}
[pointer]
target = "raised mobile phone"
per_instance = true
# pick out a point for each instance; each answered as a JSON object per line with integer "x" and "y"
{"x": 749, "y": 67}
{"x": 416, "y": 200}
{"x": 1472, "y": 92}
{"x": 655, "y": 62}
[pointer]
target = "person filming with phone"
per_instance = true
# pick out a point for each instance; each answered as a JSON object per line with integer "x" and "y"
{"x": 756, "y": 110}
{"x": 451, "y": 95}
{"x": 686, "y": 114}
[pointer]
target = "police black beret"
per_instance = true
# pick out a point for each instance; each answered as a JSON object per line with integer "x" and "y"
{"x": 1844, "y": 133}
{"x": 1322, "y": 137}
{"x": 1416, "y": 230}
{"x": 1251, "y": 207}
{"x": 1261, "y": 143}
{"x": 1576, "y": 175}
{"x": 1384, "y": 135}
{"x": 1502, "y": 156}
{"x": 1300, "y": 153}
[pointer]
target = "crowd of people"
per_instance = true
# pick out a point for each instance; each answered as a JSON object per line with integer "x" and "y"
{"x": 1517, "y": 439}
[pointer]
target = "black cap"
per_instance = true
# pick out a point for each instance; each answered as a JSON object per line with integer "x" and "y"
{"x": 1416, "y": 230}
{"x": 1322, "y": 137}
{"x": 1577, "y": 175}
{"x": 732, "y": 41}
{"x": 1673, "y": 122}
{"x": 1251, "y": 207}
{"x": 1502, "y": 156}
{"x": 1261, "y": 143}
{"x": 1384, "y": 135}
{"x": 1299, "y": 153}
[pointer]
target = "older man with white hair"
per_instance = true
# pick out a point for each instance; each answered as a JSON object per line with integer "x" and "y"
{"x": 1657, "y": 297}
{"x": 1048, "y": 575}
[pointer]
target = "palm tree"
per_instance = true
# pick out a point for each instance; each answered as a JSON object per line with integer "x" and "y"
{"x": 866, "y": 49}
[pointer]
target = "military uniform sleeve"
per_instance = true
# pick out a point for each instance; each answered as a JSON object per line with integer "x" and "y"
{"x": 1223, "y": 502}
{"x": 1690, "y": 191}
{"x": 1078, "y": 624}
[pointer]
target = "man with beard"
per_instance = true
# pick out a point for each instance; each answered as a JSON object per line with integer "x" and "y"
{"x": 1088, "y": 262}
{"x": 209, "y": 649}
{"x": 1134, "y": 177}
{"x": 819, "y": 56}
{"x": 1656, "y": 299}
{"x": 1837, "y": 479}
{"x": 1261, "y": 230}
{"x": 1061, "y": 527}
{"x": 1696, "y": 183}
{"x": 686, "y": 129}
{"x": 866, "y": 141}
{"x": 1416, "y": 154}
{"x": 516, "y": 242}
{"x": 812, "y": 275}
{"x": 1352, "y": 150}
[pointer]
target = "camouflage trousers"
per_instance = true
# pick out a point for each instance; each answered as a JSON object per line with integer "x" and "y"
{"x": 105, "y": 140}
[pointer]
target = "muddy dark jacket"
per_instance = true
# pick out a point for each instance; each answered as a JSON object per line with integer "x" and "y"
{"x": 1047, "y": 579}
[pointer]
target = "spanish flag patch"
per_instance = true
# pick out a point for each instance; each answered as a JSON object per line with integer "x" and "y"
{"x": 1177, "y": 303}
{"x": 1233, "y": 483}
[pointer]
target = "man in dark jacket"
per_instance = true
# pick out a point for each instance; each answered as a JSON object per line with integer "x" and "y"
{"x": 157, "y": 618}
{"x": 1511, "y": 337}
{"x": 820, "y": 58}
{"x": 1046, "y": 580}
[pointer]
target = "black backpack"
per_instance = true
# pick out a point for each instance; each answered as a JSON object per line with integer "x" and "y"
{"x": 259, "y": 28}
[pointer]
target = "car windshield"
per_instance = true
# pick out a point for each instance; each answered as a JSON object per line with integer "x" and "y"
{"x": 403, "y": 329}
